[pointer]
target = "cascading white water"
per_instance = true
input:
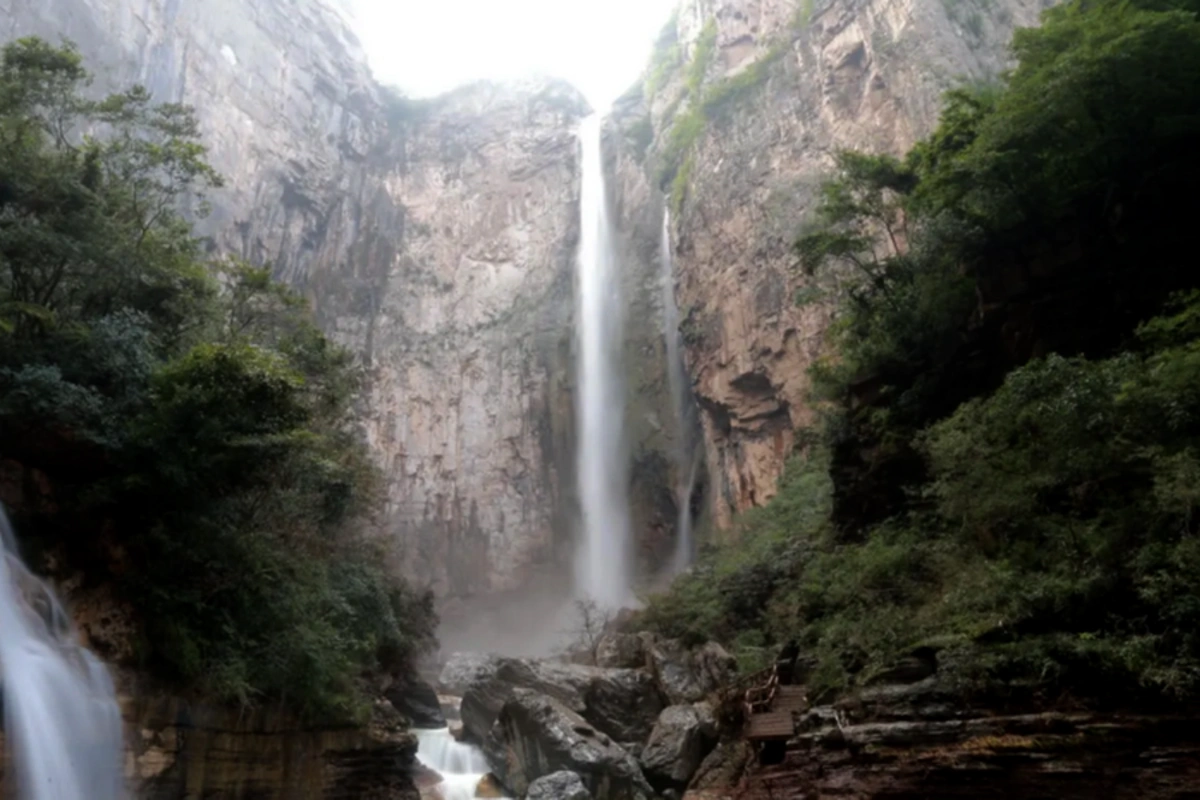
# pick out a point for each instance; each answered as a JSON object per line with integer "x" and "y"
{"x": 602, "y": 567}
{"x": 461, "y": 766}
{"x": 677, "y": 379}
{"x": 61, "y": 719}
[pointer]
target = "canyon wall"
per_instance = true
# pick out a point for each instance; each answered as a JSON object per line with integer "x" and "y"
{"x": 435, "y": 238}
{"x": 738, "y": 119}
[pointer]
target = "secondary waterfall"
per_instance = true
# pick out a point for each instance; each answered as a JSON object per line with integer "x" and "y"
{"x": 678, "y": 383}
{"x": 602, "y": 567}
{"x": 61, "y": 719}
{"x": 461, "y": 766}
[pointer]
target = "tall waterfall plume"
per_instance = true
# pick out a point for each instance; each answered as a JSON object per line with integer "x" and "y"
{"x": 603, "y": 559}
{"x": 686, "y": 451}
{"x": 62, "y": 723}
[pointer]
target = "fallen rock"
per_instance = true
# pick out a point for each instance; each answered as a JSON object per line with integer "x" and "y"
{"x": 535, "y": 736}
{"x": 688, "y": 675}
{"x": 558, "y": 786}
{"x": 418, "y": 701}
{"x": 682, "y": 737}
{"x": 622, "y": 703}
{"x": 621, "y": 651}
{"x": 464, "y": 669}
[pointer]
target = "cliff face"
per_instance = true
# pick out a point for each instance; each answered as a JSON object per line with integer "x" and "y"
{"x": 771, "y": 90}
{"x": 434, "y": 238}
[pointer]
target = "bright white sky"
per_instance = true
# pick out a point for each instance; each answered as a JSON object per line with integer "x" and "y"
{"x": 426, "y": 47}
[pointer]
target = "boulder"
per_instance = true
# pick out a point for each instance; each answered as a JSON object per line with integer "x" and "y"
{"x": 490, "y": 690}
{"x": 682, "y": 738}
{"x": 464, "y": 669}
{"x": 418, "y": 701}
{"x": 558, "y": 786}
{"x": 621, "y": 651}
{"x": 622, "y": 703}
{"x": 536, "y": 736}
{"x": 687, "y": 675}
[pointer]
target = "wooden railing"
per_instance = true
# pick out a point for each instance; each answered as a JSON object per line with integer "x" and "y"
{"x": 758, "y": 698}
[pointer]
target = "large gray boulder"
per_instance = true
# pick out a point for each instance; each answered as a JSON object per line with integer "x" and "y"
{"x": 622, "y": 703}
{"x": 688, "y": 675}
{"x": 682, "y": 738}
{"x": 558, "y": 786}
{"x": 464, "y": 669}
{"x": 536, "y": 736}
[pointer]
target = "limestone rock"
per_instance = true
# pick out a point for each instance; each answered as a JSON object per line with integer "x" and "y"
{"x": 558, "y": 786}
{"x": 621, "y": 650}
{"x": 622, "y": 703}
{"x": 435, "y": 239}
{"x": 687, "y": 675}
{"x": 489, "y": 787}
{"x": 535, "y": 736}
{"x": 682, "y": 738}
{"x": 418, "y": 701}
{"x": 862, "y": 75}
{"x": 463, "y": 669}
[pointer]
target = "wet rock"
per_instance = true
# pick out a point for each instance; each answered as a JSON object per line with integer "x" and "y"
{"x": 622, "y": 703}
{"x": 558, "y": 786}
{"x": 621, "y": 651}
{"x": 682, "y": 737}
{"x": 536, "y": 736}
{"x": 418, "y": 701}
{"x": 464, "y": 669}
{"x": 688, "y": 675}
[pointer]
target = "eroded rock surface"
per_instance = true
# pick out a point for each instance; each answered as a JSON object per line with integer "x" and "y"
{"x": 688, "y": 675}
{"x": 436, "y": 239}
{"x": 833, "y": 74}
{"x": 536, "y": 736}
{"x": 558, "y": 786}
{"x": 683, "y": 736}
{"x": 622, "y": 703}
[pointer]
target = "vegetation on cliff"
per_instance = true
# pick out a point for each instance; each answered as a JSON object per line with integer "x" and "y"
{"x": 180, "y": 426}
{"x": 1007, "y": 466}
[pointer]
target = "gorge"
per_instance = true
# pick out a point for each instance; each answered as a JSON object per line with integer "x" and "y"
{"x": 827, "y": 338}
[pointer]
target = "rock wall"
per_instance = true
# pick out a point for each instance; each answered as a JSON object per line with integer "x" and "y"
{"x": 175, "y": 749}
{"x": 434, "y": 238}
{"x": 797, "y": 81}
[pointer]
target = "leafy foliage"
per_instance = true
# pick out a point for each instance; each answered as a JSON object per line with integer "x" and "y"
{"x": 191, "y": 419}
{"x": 1041, "y": 528}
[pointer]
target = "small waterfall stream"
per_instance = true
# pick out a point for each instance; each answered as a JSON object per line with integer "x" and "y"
{"x": 602, "y": 566}
{"x": 461, "y": 766}
{"x": 61, "y": 719}
{"x": 686, "y": 455}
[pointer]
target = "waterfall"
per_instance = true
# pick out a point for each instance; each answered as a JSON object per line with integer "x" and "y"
{"x": 686, "y": 462}
{"x": 461, "y": 766}
{"x": 61, "y": 718}
{"x": 602, "y": 567}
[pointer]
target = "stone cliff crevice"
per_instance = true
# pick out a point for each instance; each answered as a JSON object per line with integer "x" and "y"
{"x": 742, "y": 109}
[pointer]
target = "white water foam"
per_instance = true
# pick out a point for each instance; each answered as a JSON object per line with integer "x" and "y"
{"x": 461, "y": 766}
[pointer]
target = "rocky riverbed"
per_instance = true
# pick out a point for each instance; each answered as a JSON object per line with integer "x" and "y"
{"x": 642, "y": 723}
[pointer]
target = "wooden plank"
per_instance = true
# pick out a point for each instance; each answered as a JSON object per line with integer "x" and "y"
{"x": 772, "y": 725}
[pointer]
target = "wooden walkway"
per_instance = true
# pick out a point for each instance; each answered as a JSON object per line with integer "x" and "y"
{"x": 771, "y": 708}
